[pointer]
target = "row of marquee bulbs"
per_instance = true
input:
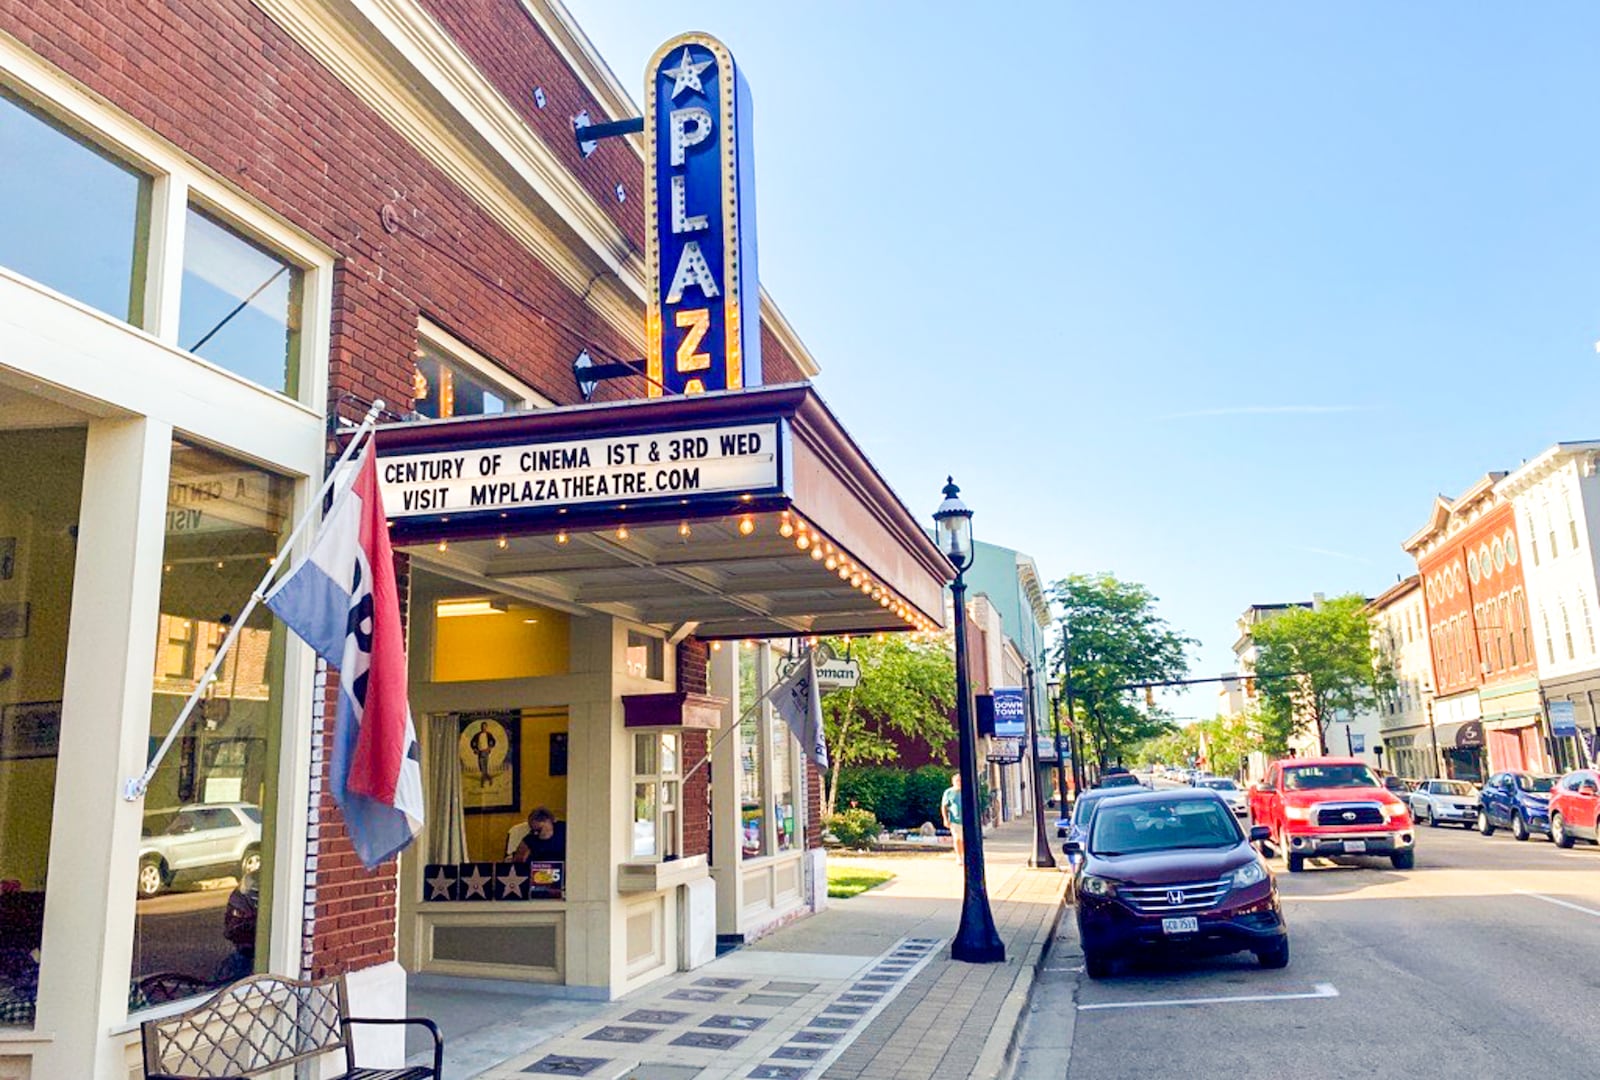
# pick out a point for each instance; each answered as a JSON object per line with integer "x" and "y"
{"x": 807, "y": 538}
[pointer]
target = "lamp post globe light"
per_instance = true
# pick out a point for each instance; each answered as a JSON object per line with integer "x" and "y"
{"x": 976, "y": 941}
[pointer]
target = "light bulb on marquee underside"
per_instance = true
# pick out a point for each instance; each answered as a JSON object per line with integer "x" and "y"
{"x": 502, "y": 543}
{"x": 832, "y": 562}
{"x": 816, "y": 553}
{"x": 747, "y": 525}
{"x": 802, "y": 541}
{"x": 683, "y": 528}
{"x": 562, "y": 537}
{"x": 622, "y": 532}
{"x": 844, "y": 573}
{"x": 444, "y": 545}
{"x": 786, "y": 530}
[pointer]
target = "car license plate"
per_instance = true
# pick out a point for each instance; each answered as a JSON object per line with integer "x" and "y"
{"x": 1354, "y": 847}
{"x": 1189, "y": 925}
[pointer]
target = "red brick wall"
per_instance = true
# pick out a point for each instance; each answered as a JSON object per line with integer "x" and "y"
{"x": 696, "y": 796}
{"x": 813, "y": 806}
{"x": 228, "y": 87}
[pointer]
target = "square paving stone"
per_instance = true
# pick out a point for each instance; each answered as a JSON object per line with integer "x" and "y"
{"x": 848, "y": 1010}
{"x": 721, "y": 983}
{"x": 735, "y": 1023}
{"x": 800, "y": 1053}
{"x": 708, "y": 1040}
{"x": 860, "y": 999}
{"x": 838, "y": 1022}
{"x": 828, "y": 1037}
{"x": 565, "y": 1065}
{"x": 656, "y": 1071}
{"x": 654, "y": 1016}
{"x": 621, "y": 1033}
{"x": 922, "y": 941}
{"x": 769, "y": 999}
{"x": 777, "y": 1072}
{"x": 789, "y": 987}
{"x": 689, "y": 993}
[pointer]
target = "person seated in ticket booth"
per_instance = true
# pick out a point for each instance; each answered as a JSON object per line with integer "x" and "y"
{"x": 545, "y": 840}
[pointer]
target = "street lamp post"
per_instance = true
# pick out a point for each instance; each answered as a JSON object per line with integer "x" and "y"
{"x": 976, "y": 941}
{"x": 1053, "y": 688}
{"x": 1042, "y": 857}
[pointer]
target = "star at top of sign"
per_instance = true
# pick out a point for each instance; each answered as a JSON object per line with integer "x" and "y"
{"x": 686, "y": 76}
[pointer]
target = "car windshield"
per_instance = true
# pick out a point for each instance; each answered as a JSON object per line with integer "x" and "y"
{"x": 1084, "y": 807}
{"x": 1163, "y": 825}
{"x": 1536, "y": 783}
{"x": 1452, "y": 787}
{"x": 1220, "y": 785}
{"x": 1306, "y": 777}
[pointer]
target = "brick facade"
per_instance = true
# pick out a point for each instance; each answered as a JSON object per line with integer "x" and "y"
{"x": 236, "y": 94}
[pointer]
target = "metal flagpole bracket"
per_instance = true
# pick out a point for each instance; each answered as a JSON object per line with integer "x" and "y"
{"x": 588, "y": 134}
{"x": 135, "y": 787}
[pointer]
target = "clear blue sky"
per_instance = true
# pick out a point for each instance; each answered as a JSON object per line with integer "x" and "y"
{"x": 1214, "y": 296}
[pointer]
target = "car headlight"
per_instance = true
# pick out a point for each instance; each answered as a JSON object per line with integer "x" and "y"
{"x": 1297, "y": 813}
{"x": 1097, "y": 886}
{"x": 1251, "y": 873}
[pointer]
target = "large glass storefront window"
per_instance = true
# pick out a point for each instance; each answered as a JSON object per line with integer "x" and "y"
{"x": 41, "y": 477}
{"x": 752, "y": 755}
{"x": 206, "y": 855}
{"x": 71, "y": 216}
{"x": 241, "y": 305}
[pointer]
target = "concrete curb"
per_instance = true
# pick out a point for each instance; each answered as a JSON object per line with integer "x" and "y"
{"x": 1001, "y": 1045}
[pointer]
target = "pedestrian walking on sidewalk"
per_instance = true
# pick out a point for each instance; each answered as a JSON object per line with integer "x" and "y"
{"x": 950, "y": 810}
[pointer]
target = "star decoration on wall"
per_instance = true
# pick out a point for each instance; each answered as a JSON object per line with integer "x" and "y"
{"x": 476, "y": 884}
{"x": 439, "y": 884}
{"x": 512, "y": 882}
{"x": 686, "y": 76}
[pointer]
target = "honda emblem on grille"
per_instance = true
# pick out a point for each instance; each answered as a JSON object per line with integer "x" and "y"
{"x": 1175, "y": 896}
{"x": 1349, "y": 815}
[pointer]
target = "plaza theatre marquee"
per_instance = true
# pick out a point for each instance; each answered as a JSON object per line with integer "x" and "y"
{"x": 746, "y": 513}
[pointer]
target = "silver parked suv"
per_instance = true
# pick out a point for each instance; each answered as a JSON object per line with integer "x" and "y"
{"x": 201, "y": 840}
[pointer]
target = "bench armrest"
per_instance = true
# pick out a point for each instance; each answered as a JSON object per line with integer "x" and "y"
{"x": 420, "y": 1021}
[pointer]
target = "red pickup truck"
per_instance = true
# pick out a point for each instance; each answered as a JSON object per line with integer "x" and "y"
{"x": 1331, "y": 806}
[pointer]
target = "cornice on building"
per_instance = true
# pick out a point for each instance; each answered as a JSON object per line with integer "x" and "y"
{"x": 1450, "y": 516}
{"x": 1531, "y": 473}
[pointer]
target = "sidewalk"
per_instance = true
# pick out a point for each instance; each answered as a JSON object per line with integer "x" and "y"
{"x": 865, "y": 990}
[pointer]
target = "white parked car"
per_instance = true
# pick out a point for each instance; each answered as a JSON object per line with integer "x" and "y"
{"x": 1444, "y": 801}
{"x": 201, "y": 840}
{"x": 1231, "y": 793}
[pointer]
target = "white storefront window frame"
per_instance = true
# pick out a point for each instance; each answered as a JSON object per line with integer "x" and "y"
{"x": 141, "y": 389}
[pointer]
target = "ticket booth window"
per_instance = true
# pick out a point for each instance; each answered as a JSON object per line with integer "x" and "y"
{"x": 657, "y": 783}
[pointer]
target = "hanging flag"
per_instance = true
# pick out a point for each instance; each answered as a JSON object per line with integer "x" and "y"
{"x": 798, "y": 700}
{"x": 341, "y": 598}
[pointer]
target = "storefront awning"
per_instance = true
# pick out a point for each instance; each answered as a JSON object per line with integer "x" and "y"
{"x": 744, "y": 514}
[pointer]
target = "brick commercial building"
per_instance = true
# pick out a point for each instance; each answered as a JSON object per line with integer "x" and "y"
{"x": 227, "y": 224}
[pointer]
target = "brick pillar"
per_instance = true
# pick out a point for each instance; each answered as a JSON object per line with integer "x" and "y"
{"x": 693, "y": 664}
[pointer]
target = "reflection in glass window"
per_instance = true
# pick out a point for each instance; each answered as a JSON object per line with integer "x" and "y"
{"x": 657, "y": 830}
{"x": 241, "y": 304}
{"x": 752, "y": 766}
{"x": 208, "y": 836}
{"x": 71, "y": 216}
{"x": 784, "y": 817}
{"x": 442, "y": 387}
{"x": 41, "y": 476}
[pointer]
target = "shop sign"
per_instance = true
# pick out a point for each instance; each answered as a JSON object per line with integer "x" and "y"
{"x": 1010, "y": 712}
{"x": 703, "y": 325}
{"x": 832, "y": 672}
{"x": 1470, "y": 735}
{"x": 640, "y": 468}
{"x": 1563, "y": 720}
{"x": 1045, "y": 748}
{"x": 1003, "y": 751}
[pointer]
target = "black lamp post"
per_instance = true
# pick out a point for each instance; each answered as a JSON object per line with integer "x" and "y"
{"x": 1053, "y": 689}
{"x": 1042, "y": 856}
{"x": 976, "y": 941}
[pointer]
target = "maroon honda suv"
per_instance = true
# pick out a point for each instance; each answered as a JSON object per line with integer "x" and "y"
{"x": 1173, "y": 870}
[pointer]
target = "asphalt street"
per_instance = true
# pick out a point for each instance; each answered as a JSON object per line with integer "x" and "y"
{"x": 1478, "y": 962}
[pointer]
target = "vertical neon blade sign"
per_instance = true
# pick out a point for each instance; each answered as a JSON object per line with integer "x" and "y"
{"x": 704, "y": 325}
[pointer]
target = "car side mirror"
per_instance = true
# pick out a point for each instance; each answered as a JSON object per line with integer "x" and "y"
{"x": 1260, "y": 832}
{"x": 1072, "y": 847}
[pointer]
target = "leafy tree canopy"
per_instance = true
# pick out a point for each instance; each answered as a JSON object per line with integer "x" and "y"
{"x": 1114, "y": 637}
{"x": 1313, "y": 664}
{"x": 907, "y": 688}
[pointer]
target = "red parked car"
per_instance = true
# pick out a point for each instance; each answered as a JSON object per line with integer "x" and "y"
{"x": 1575, "y": 808}
{"x": 1332, "y": 806}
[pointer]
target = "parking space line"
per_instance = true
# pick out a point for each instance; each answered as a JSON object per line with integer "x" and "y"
{"x": 1322, "y": 990}
{"x": 1563, "y": 903}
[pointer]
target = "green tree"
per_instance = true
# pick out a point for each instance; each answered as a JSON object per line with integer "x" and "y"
{"x": 1229, "y": 739}
{"x": 1313, "y": 664}
{"x": 1114, "y": 637}
{"x": 907, "y": 688}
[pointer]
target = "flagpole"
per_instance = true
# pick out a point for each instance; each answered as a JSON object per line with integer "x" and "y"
{"x": 134, "y": 788}
{"x": 733, "y": 727}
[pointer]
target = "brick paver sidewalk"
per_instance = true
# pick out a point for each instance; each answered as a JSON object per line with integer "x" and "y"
{"x": 958, "y": 1020}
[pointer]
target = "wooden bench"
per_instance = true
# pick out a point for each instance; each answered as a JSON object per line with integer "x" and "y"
{"x": 263, "y": 1023}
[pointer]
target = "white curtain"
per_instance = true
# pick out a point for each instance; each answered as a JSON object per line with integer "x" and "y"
{"x": 447, "y": 826}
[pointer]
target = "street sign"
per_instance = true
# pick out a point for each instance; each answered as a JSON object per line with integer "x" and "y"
{"x": 1010, "y": 712}
{"x": 1563, "y": 720}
